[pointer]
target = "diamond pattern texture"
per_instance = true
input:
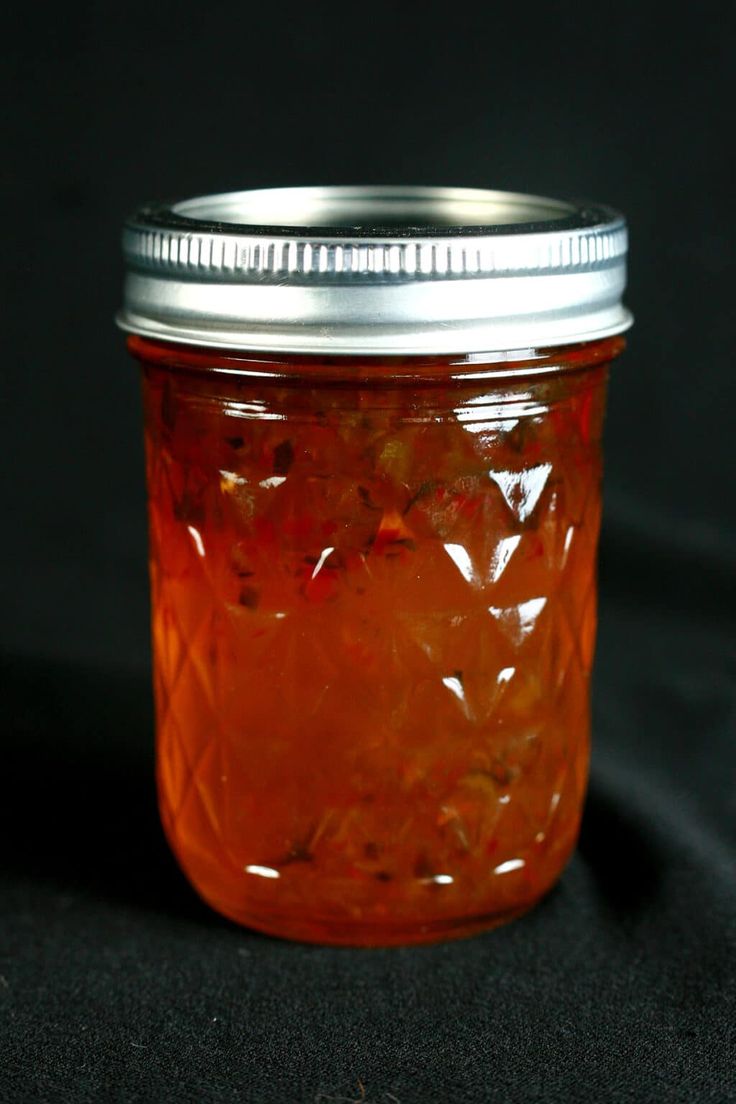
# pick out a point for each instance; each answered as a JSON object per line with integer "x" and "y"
{"x": 373, "y": 646}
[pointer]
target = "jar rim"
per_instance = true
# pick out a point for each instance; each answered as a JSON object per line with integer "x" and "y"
{"x": 381, "y": 211}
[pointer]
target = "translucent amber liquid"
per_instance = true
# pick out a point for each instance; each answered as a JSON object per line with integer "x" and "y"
{"x": 373, "y": 618}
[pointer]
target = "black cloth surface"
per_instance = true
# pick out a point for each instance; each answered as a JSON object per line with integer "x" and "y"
{"x": 118, "y": 984}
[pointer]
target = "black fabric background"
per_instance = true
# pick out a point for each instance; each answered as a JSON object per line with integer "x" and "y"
{"x": 115, "y": 982}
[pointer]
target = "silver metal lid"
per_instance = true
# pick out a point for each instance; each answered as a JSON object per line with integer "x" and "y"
{"x": 375, "y": 270}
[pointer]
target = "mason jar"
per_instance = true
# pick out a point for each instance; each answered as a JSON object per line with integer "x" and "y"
{"x": 373, "y": 428}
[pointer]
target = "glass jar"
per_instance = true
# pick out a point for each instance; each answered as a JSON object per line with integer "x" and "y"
{"x": 373, "y": 426}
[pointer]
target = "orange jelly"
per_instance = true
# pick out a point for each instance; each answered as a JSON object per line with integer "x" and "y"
{"x": 374, "y": 608}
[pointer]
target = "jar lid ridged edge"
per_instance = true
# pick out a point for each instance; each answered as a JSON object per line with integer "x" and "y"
{"x": 347, "y": 272}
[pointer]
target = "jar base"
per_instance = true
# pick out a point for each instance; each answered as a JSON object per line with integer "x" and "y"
{"x": 333, "y": 933}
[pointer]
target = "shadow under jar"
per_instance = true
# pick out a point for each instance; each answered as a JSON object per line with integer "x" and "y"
{"x": 373, "y": 426}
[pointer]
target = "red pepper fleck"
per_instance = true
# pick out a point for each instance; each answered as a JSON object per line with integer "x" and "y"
{"x": 536, "y": 547}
